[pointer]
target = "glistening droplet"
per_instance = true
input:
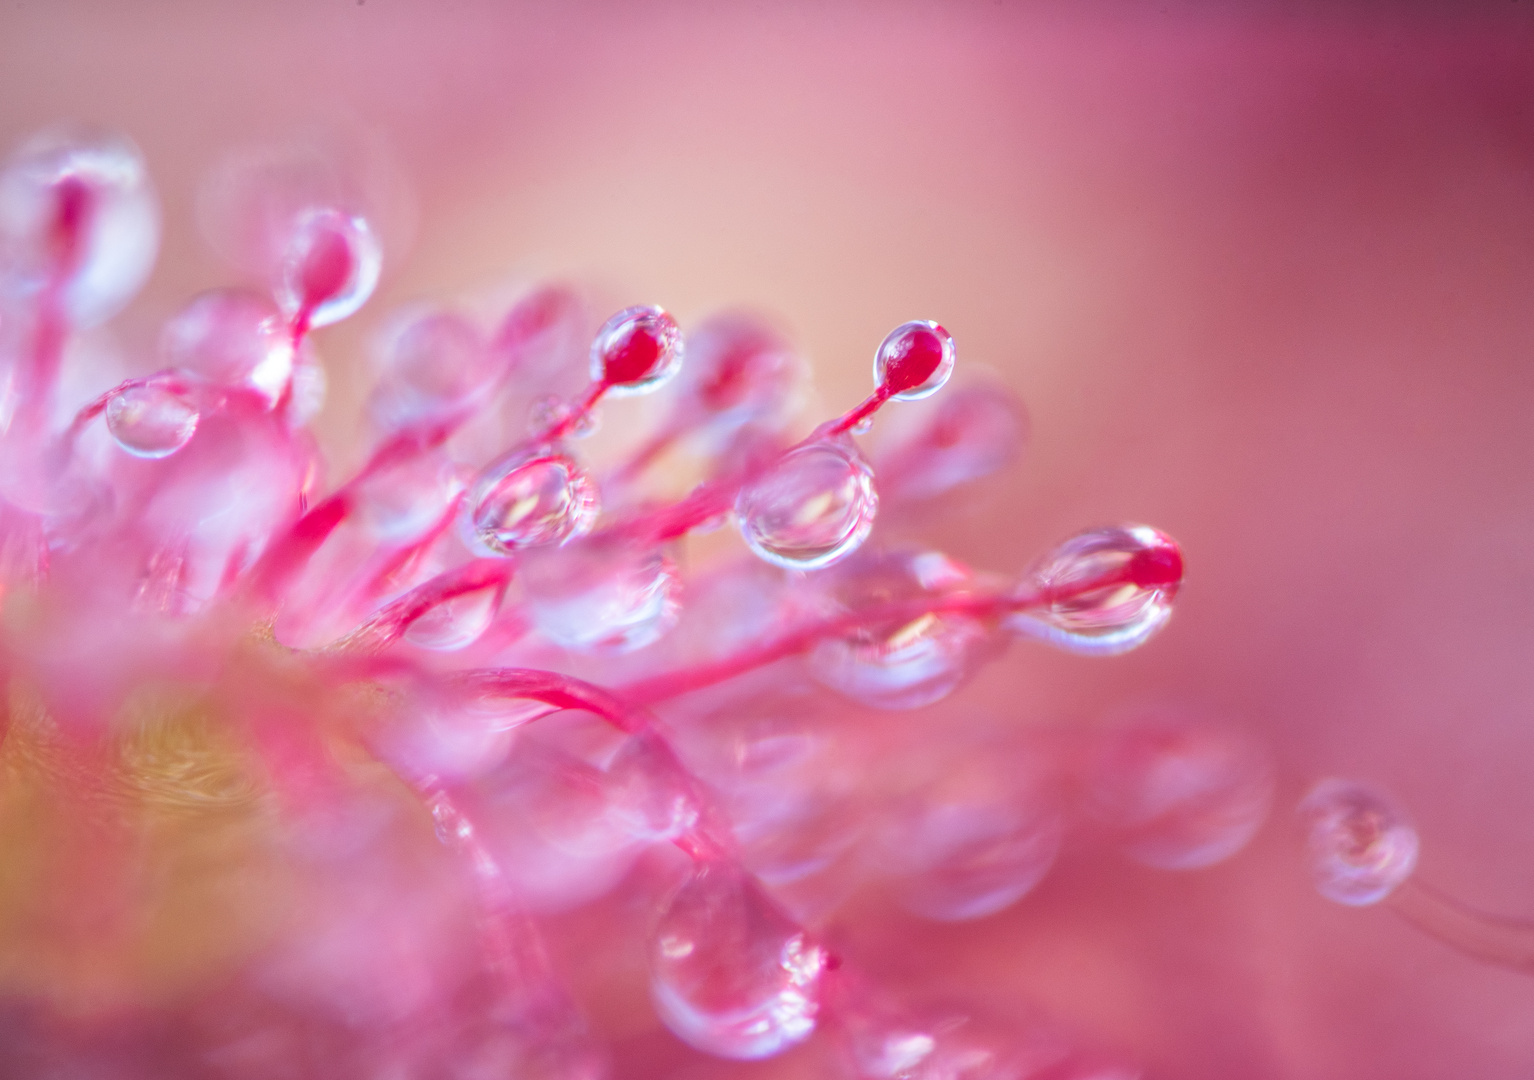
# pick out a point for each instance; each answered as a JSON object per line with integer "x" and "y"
{"x": 730, "y": 973}
{"x": 813, "y": 506}
{"x": 530, "y": 499}
{"x": 331, "y": 266}
{"x": 636, "y": 351}
{"x": 914, "y": 360}
{"x": 1361, "y": 843}
{"x": 153, "y": 419}
{"x": 1105, "y": 591}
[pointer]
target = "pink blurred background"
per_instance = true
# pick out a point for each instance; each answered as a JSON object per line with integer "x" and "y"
{"x": 1264, "y": 280}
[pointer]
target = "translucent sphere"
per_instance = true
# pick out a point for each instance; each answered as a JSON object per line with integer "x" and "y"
{"x": 78, "y": 213}
{"x": 1361, "y": 844}
{"x": 233, "y": 337}
{"x": 738, "y": 370}
{"x": 457, "y": 622}
{"x": 406, "y": 502}
{"x": 914, "y": 361}
{"x": 974, "y": 431}
{"x": 648, "y": 791}
{"x": 972, "y": 842}
{"x": 812, "y": 507}
{"x": 1105, "y": 591}
{"x": 1180, "y": 795}
{"x": 636, "y": 351}
{"x": 601, "y": 598}
{"x": 330, "y": 267}
{"x": 730, "y": 973}
{"x": 153, "y": 419}
{"x": 901, "y": 663}
{"x": 431, "y": 364}
{"x": 530, "y": 499}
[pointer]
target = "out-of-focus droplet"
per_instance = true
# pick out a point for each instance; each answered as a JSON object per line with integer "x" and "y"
{"x": 456, "y": 623}
{"x": 405, "y": 502}
{"x": 1105, "y": 591}
{"x": 330, "y": 268}
{"x": 738, "y": 371}
{"x": 530, "y": 499}
{"x": 812, "y": 507}
{"x": 730, "y": 973}
{"x": 971, "y": 842}
{"x": 914, "y": 360}
{"x": 153, "y": 419}
{"x": 942, "y": 1044}
{"x": 1361, "y": 844}
{"x": 602, "y": 598}
{"x": 432, "y": 364}
{"x": 77, "y": 213}
{"x": 233, "y": 337}
{"x": 649, "y": 792}
{"x": 906, "y": 662}
{"x": 1180, "y": 795}
{"x": 973, "y": 432}
{"x": 636, "y": 351}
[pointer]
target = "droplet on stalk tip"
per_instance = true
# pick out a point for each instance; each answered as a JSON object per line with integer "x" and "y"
{"x": 529, "y": 499}
{"x": 906, "y": 662}
{"x": 914, "y": 360}
{"x": 154, "y": 418}
{"x": 636, "y": 351}
{"x": 1361, "y": 844}
{"x": 77, "y": 214}
{"x": 812, "y": 507}
{"x": 730, "y": 973}
{"x": 330, "y": 267}
{"x": 738, "y": 370}
{"x": 1103, "y": 592}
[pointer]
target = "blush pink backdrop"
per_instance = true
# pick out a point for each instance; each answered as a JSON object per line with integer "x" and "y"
{"x": 1265, "y": 280}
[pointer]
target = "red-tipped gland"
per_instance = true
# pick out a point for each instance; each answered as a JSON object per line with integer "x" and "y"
{"x": 636, "y": 351}
{"x": 72, "y": 206}
{"x": 1155, "y": 567}
{"x": 915, "y": 360}
{"x": 328, "y": 266}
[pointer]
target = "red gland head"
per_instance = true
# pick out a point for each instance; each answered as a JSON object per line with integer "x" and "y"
{"x": 331, "y": 267}
{"x": 636, "y": 351}
{"x": 914, "y": 361}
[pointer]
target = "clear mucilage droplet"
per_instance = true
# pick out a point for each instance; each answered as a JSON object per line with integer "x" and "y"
{"x": 636, "y": 351}
{"x": 457, "y": 622}
{"x": 914, "y": 361}
{"x": 153, "y": 419}
{"x": 901, "y": 663}
{"x": 738, "y": 371}
{"x": 432, "y": 365}
{"x": 600, "y": 597}
{"x": 812, "y": 507}
{"x": 330, "y": 268}
{"x": 730, "y": 973}
{"x": 232, "y": 337}
{"x": 1103, "y": 592}
{"x": 530, "y": 498}
{"x": 78, "y": 214}
{"x": 1362, "y": 845}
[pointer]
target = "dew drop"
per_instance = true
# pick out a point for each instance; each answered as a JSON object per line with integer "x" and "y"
{"x": 432, "y": 364}
{"x": 1105, "y": 591}
{"x": 1179, "y": 795}
{"x": 914, "y": 361}
{"x": 649, "y": 793}
{"x": 457, "y": 622}
{"x": 899, "y": 663}
{"x": 78, "y": 211}
{"x": 153, "y": 419}
{"x": 233, "y": 337}
{"x": 730, "y": 973}
{"x": 330, "y": 268}
{"x": 814, "y": 506}
{"x": 602, "y": 598}
{"x": 530, "y": 499}
{"x": 636, "y": 351}
{"x": 738, "y": 370}
{"x": 1361, "y": 844}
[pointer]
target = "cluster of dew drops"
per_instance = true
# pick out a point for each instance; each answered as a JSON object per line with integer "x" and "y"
{"x": 490, "y": 578}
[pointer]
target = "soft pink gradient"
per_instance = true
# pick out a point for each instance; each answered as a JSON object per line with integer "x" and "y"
{"x": 1265, "y": 282}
